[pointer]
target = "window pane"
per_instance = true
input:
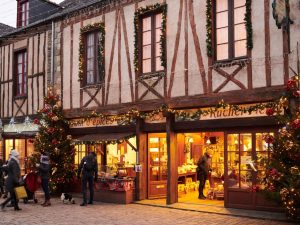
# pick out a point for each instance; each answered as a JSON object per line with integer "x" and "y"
{"x": 239, "y": 15}
{"x": 158, "y": 64}
{"x": 20, "y": 58}
{"x": 222, "y": 35}
{"x": 147, "y": 24}
{"x": 222, "y": 19}
{"x": 222, "y": 52}
{"x": 90, "y": 77}
{"x": 20, "y": 68}
{"x": 240, "y": 32}
{"x": 158, "y": 19}
{"x": 238, "y": 3}
{"x": 157, "y": 50}
{"x": 90, "y": 39}
{"x": 240, "y": 48}
{"x": 147, "y": 38}
{"x": 147, "y": 66}
{"x": 90, "y": 65}
{"x": 90, "y": 53}
{"x": 222, "y": 5}
{"x": 246, "y": 179}
{"x": 147, "y": 52}
{"x": 157, "y": 34}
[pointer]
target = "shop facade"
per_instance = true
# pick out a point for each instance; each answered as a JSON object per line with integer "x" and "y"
{"x": 162, "y": 152}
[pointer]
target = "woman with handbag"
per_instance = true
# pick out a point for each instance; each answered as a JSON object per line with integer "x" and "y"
{"x": 14, "y": 174}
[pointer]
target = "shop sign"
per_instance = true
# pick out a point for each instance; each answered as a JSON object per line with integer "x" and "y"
{"x": 227, "y": 113}
{"x": 91, "y": 122}
{"x": 19, "y": 128}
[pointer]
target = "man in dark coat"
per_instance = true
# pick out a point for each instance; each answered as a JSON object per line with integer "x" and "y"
{"x": 203, "y": 170}
{"x": 89, "y": 168}
{"x": 12, "y": 181}
{"x": 44, "y": 171}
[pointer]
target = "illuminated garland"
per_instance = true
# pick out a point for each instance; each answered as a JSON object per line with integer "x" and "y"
{"x": 209, "y": 28}
{"x": 92, "y": 27}
{"x": 137, "y": 15}
{"x": 248, "y": 24}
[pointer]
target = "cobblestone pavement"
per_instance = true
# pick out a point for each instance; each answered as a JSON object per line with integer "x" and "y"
{"x": 109, "y": 214}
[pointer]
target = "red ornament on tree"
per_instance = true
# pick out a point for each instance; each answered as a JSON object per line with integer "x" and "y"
{"x": 36, "y": 121}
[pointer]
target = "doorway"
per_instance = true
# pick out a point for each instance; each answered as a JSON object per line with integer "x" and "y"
{"x": 191, "y": 147}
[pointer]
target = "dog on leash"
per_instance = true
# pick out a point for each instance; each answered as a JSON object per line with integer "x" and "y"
{"x": 67, "y": 198}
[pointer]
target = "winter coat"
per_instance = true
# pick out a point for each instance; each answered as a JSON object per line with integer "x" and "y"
{"x": 44, "y": 170}
{"x": 88, "y": 173}
{"x": 203, "y": 165}
{"x": 13, "y": 175}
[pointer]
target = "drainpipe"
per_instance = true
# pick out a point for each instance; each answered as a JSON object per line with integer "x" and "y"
{"x": 52, "y": 55}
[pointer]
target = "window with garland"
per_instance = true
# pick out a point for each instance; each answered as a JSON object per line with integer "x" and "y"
{"x": 151, "y": 31}
{"x": 93, "y": 60}
{"x": 230, "y": 29}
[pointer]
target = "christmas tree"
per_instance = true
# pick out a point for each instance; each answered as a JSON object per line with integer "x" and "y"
{"x": 283, "y": 170}
{"x": 53, "y": 139}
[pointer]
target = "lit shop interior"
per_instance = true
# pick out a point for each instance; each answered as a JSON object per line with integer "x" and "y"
{"x": 242, "y": 171}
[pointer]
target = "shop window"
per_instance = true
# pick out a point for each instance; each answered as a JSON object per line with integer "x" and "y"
{"x": 80, "y": 152}
{"x": 20, "y": 73}
{"x": 262, "y": 157}
{"x": 151, "y": 31}
{"x": 121, "y": 157}
{"x": 239, "y": 157}
{"x": 20, "y": 146}
{"x": 1, "y": 150}
{"x": 230, "y": 30}
{"x": 94, "y": 62}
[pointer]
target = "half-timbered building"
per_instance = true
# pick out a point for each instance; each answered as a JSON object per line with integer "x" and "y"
{"x": 24, "y": 69}
{"x": 140, "y": 82}
{"x": 188, "y": 55}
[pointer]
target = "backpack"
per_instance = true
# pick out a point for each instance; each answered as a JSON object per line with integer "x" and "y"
{"x": 89, "y": 163}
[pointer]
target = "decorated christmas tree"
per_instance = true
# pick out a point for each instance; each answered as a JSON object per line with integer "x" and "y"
{"x": 283, "y": 170}
{"x": 52, "y": 139}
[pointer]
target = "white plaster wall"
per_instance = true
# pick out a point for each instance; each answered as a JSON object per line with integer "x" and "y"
{"x": 29, "y": 98}
{"x": 276, "y": 52}
{"x": 35, "y": 54}
{"x": 195, "y": 80}
{"x": 20, "y": 44}
{"x": 295, "y": 33}
{"x": 41, "y": 54}
{"x": 110, "y": 20}
{"x": 75, "y": 83}
{"x": 30, "y": 57}
{"x": 66, "y": 68}
{"x": 258, "y": 51}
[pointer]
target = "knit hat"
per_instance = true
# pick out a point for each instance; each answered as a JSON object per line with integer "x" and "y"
{"x": 14, "y": 153}
{"x": 44, "y": 159}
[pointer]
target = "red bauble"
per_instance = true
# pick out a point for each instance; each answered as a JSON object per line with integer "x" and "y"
{"x": 269, "y": 111}
{"x": 36, "y": 121}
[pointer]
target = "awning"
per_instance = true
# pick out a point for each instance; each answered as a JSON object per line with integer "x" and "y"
{"x": 104, "y": 137}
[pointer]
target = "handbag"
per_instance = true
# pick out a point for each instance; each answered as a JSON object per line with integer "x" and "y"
{"x": 20, "y": 192}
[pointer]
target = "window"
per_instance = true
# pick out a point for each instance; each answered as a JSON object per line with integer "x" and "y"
{"x": 230, "y": 29}
{"x": 23, "y": 13}
{"x": 94, "y": 60}
{"x": 21, "y": 73}
{"x": 151, "y": 43}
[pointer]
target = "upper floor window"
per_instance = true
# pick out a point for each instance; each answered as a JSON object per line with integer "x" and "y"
{"x": 151, "y": 43}
{"x": 23, "y": 13}
{"x": 94, "y": 61}
{"x": 21, "y": 73}
{"x": 231, "y": 36}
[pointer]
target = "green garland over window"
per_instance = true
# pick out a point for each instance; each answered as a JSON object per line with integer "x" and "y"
{"x": 248, "y": 24}
{"x": 209, "y": 28}
{"x": 92, "y": 27}
{"x": 137, "y": 14}
{"x": 247, "y": 20}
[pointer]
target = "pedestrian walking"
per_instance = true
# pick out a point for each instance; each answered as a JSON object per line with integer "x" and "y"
{"x": 44, "y": 171}
{"x": 1, "y": 178}
{"x": 89, "y": 169}
{"x": 13, "y": 177}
